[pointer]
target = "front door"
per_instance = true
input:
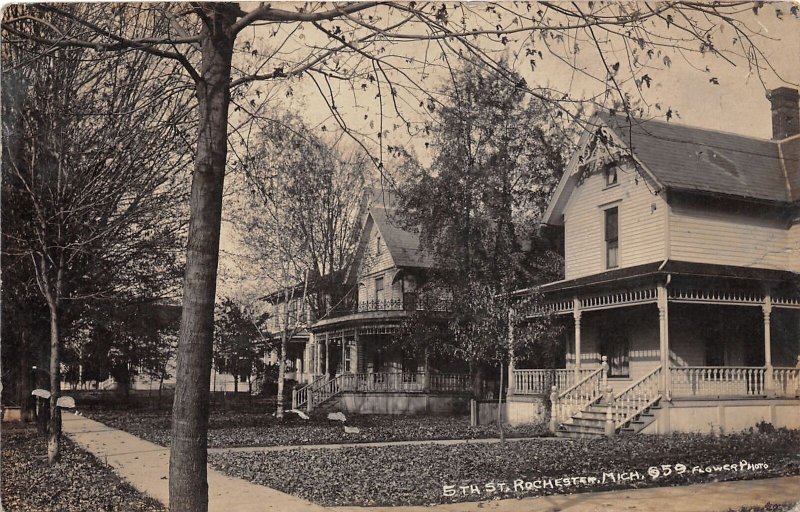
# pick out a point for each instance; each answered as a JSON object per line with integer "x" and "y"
{"x": 615, "y": 344}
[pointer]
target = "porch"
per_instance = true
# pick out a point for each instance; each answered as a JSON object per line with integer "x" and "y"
{"x": 358, "y": 370}
{"x": 640, "y": 346}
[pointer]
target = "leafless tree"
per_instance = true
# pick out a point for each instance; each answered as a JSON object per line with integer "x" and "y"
{"x": 97, "y": 171}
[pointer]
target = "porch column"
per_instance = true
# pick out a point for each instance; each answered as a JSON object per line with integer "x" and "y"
{"x": 317, "y": 356}
{"x": 576, "y": 313}
{"x": 355, "y": 355}
{"x": 767, "y": 309}
{"x": 344, "y": 349}
{"x": 511, "y": 382}
{"x": 663, "y": 338}
{"x": 327, "y": 354}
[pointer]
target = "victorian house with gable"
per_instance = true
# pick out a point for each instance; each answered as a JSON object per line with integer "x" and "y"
{"x": 680, "y": 298}
{"x": 342, "y": 356}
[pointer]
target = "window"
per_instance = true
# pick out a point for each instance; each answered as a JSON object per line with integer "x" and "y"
{"x": 612, "y": 237}
{"x": 378, "y": 246}
{"x": 378, "y": 289}
{"x": 610, "y": 172}
{"x": 348, "y": 354}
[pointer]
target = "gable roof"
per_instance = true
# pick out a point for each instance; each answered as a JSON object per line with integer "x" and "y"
{"x": 403, "y": 245}
{"x": 689, "y": 159}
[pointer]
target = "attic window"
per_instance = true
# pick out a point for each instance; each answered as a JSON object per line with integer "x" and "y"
{"x": 378, "y": 248}
{"x": 610, "y": 173}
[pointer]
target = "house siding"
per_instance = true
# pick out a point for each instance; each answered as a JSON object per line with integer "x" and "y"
{"x": 793, "y": 248}
{"x": 372, "y": 261}
{"x": 366, "y": 286}
{"x": 641, "y": 224}
{"x": 703, "y": 235}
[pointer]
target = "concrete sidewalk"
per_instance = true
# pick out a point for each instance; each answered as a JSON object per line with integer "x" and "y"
{"x": 146, "y": 466}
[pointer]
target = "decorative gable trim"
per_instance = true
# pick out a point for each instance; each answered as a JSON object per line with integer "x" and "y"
{"x": 597, "y": 147}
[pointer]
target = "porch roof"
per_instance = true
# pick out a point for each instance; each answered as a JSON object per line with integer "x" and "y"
{"x": 654, "y": 270}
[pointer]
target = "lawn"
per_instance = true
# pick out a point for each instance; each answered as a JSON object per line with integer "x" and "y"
{"x": 77, "y": 483}
{"x": 247, "y": 428}
{"x": 428, "y": 474}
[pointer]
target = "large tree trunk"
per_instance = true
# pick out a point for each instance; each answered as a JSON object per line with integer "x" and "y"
{"x": 188, "y": 487}
{"x": 54, "y": 436}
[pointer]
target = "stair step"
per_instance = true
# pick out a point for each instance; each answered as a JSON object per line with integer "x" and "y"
{"x": 579, "y": 435}
{"x": 589, "y": 422}
{"x": 587, "y": 414}
{"x": 571, "y": 427}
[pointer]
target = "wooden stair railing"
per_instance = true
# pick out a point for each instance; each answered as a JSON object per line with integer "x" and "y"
{"x": 302, "y": 395}
{"x": 585, "y": 392}
{"x": 633, "y": 401}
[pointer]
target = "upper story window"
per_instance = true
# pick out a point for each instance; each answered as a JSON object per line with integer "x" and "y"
{"x": 610, "y": 173}
{"x": 378, "y": 248}
{"x": 378, "y": 288}
{"x": 612, "y": 237}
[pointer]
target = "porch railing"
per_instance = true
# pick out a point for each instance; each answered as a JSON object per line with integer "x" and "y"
{"x": 717, "y": 381}
{"x": 536, "y": 381}
{"x": 636, "y": 398}
{"x": 786, "y": 382}
{"x": 452, "y": 382}
{"x": 301, "y": 395}
{"x": 581, "y": 394}
{"x": 324, "y": 388}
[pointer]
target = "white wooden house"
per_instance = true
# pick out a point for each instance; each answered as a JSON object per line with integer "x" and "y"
{"x": 680, "y": 295}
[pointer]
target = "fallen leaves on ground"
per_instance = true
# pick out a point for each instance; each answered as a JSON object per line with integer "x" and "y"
{"x": 76, "y": 483}
{"x": 769, "y": 507}
{"x": 415, "y": 474}
{"x": 231, "y": 429}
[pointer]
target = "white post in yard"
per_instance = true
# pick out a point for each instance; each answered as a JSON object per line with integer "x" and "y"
{"x": 553, "y": 408}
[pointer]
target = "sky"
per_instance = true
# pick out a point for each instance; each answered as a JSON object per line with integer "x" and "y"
{"x": 737, "y": 103}
{"x": 702, "y": 91}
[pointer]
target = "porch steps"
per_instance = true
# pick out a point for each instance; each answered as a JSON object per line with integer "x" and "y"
{"x": 591, "y": 422}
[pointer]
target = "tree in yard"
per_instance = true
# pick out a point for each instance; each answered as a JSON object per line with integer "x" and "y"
{"x": 300, "y": 208}
{"x": 349, "y": 43}
{"x": 95, "y": 168}
{"x": 475, "y": 207}
{"x": 238, "y": 343}
{"x": 297, "y": 219}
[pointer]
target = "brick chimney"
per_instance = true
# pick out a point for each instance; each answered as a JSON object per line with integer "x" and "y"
{"x": 785, "y": 112}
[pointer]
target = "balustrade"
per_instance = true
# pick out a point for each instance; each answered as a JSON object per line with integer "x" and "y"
{"x": 322, "y": 389}
{"x": 636, "y": 398}
{"x": 539, "y": 381}
{"x": 717, "y": 381}
{"x": 786, "y": 382}
{"x": 581, "y": 394}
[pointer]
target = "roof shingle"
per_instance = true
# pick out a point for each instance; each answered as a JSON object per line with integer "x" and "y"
{"x": 696, "y": 159}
